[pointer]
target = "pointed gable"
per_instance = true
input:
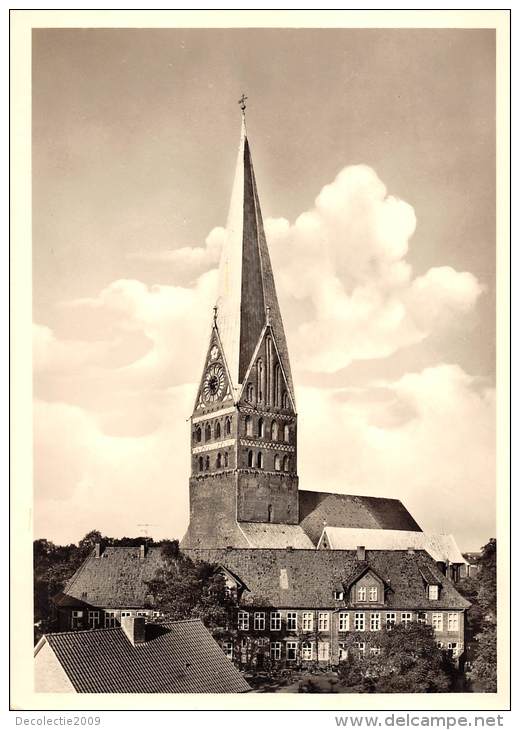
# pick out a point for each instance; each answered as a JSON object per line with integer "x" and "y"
{"x": 246, "y": 282}
{"x": 215, "y": 388}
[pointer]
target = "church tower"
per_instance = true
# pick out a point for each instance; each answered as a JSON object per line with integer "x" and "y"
{"x": 244, "y": 423}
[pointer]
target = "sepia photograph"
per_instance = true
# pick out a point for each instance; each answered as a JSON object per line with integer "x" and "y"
{"x": 264, "y": 346}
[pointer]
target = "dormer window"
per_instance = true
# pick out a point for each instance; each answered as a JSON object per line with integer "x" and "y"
{"x": 362, "y": 593}
{"x": 372, "y": 593}
{"x": 338, "y": 595}
{"x": 433, "y": 593}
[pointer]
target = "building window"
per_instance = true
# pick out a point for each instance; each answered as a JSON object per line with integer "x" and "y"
{"x": 285, "y": 401}
{"x": 143, "y": 614}
{"x": 259, "y": 378}
{"x": 291, "y": 650}
{"x": 453, "y": 648}
{"x": 226, "y": 459}
{"x": 259, "y": 460}
{"x": 390, "y": 621}
{"x": 343, "y": 651}
{"x": 201, "y": 463}
{"x": 250, "y": 458}
{"x": 126, "y": 614}
{"x": 360, "y": 647}
{"x": 250, "y": 392}
{"x": 362, "y": 593}
{"x": 218, "y": 431}
{"x": 76, "y": 619}
{"x": 276, "y": 620}
{"x": 292, "y": 621}
{"x": 375, "y": 622}
{"x": 259, "y": 621}
{"x": 359, "y": 622}
{"x": 421, "y": 617}
{"x": 440, "y": 645}
{"x": 277, "y": 462}
{"x": 338, "y": 595}
{"x": 375, "y": 650}
{"x": 261, "y": 428}
{"x": 276, "y": 650}
{"x": 198, "y": 434}
{"x": 343, "y": 621}
{"x": 372, "y": 593}
{"x": 207, "y": 432}
{"x": 323, "y": 621}
{"x": 307, "y": 621}
{"x": 219, "y": 461}
{"x": 437, "y": 621}
{"x": 453, "y": 622}
{"x": 243, "y": 621}
{"x": 227, "y": 648}
{"x": 307, "y": 651}
{"x": 249, "y": 426}
{"x": 286, "y": 435}
{"x": 433, "y": 593}
{"x": 323, "y": 651}
{"x": 274, "y": 431}
{"x": 228, "y": 426}
{"x": 207, "y": 463}
{"x": 94, "y": 620}
{"x": 406, "y": 618}
{"x": 286, "y": 463}
{"x": 110, "y": 619}
{"x": 269, "y": 512}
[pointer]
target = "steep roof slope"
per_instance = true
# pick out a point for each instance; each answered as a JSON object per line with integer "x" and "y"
{"x": 270, "y": 535}
{"x": 115, "y": 579}
{"x": 441, "y": 548}
{"x": 179, "y": 656}
{"x": 308, "y": 578}
{"x": 319, "y": 509}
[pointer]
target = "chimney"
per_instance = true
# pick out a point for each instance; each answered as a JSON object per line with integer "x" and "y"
{"x": 142, "y": 551}
{"x": 134, "y": 627}
{"x": 97, "y": 550}
{"x": 360, "y": 552}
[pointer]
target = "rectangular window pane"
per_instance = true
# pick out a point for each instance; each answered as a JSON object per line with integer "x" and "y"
{"x": 362, "y": 593}
{"x": 437, "y": 621}
{"x": 276, "y": 650}
{"x": 259, "y": 621}
{"x": 433, "y": 593}
{"x": 390, "y": 620}
{"x": 343, "y": 622}
{"x": 307, "y": 621}
{"x": 243, "y": 621}
{"x": 323, "y": 651}
{"x": 292, "y": 621}
{"x": 406, "y": 618}
{"x": 375, "y": 622}
{"x": 359, "y": 622}
{"x": 276, "y": 621}
{"x": 453, "y": 622}
{"x": 307, "y": 652}
{"x": 291, "y": 650}
{"x": 372, "y": 593}
{"x": 323, "y": 621}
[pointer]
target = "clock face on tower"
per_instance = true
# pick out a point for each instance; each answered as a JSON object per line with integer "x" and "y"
{"x": 214, "y": 381}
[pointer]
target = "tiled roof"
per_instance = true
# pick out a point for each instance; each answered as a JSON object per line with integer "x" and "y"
{"x": 267, "y": 535}
{"x": 318, "y": 509}
{"x": 181, "y": 656}
{"x": 308, "y": 578}
{"x": 118, "y": 578}
{"x": 440, "y": 547}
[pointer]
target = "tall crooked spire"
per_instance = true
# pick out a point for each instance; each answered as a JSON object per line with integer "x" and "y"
{"x": 247, "y": 298}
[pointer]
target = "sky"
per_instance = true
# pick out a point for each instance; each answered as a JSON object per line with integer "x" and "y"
{"x": 374, "y": 154}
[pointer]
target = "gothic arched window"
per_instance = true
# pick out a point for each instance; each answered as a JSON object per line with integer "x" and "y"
{"x": 277, "y": 462}
{"x": 277, "y": 384}
{"x": 285, "y": 400}
{"x": 261, "y": 427}
{"x": 217, "y": 430}
{"x": 259, "y": 378}
{"x": 250, "y": 458}
{"x": 226, "y": 459}
{"x": 274, "y": 431}
{"x": 250, "y": 393}
{"x": 201, "y": 463}
{"x": 207, "y": 432}
{"x": 228, "y": 426}
{"x": 260, "y": 460}
{"x": 269, "y": 512}
{"x": 286, "y": 437}
{"x": 249, "y": 426}
{"x": 286, "y": 463}
{"x": 207, "y": 463}
{"x": 198, "y": 434}
{"x": 219, "y": 461}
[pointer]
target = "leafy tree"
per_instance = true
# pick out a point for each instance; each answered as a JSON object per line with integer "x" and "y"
{"x": 184, "y": 589}
{"x": 408, "y": 660}
{"x": 487, "y": 594}
{"x": 484, "y": 671}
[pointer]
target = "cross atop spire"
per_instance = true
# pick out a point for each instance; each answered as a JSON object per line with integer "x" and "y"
{"x": 242, "y": 103}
